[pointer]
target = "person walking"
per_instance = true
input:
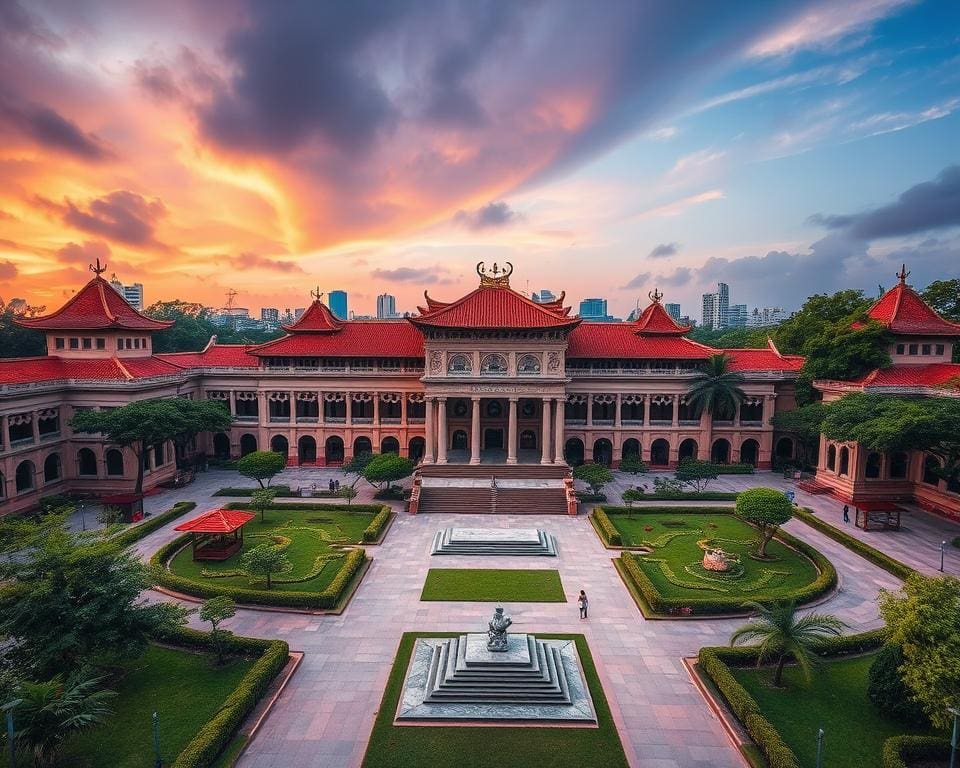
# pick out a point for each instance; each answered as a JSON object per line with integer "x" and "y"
{"x": 846, "y": 513}
{"x": 582, "y": 602}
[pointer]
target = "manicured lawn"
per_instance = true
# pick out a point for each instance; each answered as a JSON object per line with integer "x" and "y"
{"x": 493, "y": 585}
{"x": 835, "y": 700}
{"x": 184, "y": 688}
{"x": 674, "y": 565}
{"x": 497, "y": 747}
{"x": 313, "y": 538}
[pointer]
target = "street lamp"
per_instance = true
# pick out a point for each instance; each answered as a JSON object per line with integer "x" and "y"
{"x": 943, "y": 546}
{"x": 83, "y": 516}
{"x": 12, "y": 705}
{"x": 820, "y": 748}
{"x": 953, "y": 739}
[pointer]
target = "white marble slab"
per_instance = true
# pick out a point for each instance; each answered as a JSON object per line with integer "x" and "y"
{"x": 497, "y": 535}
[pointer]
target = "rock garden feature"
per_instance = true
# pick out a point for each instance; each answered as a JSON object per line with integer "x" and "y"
{"x": 494, "y": 541}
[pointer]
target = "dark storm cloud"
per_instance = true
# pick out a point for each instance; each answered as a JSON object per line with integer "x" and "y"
{"x": 50, "y": 129}
{"x": 491, "y": 216}
{"x": 122, "y": 216}
{"x": 664, "y": 250}
{"x": 927, "y": 206}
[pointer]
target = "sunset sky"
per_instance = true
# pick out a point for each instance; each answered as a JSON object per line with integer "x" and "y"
{"x": 602, "y": 148}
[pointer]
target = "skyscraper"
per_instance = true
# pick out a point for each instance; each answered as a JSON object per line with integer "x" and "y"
{"x": 132, "y": 293}
{"x": 386, "y": 306}
{"x": 737, "y": 318}
{"x": 716, "y": 307}
{"x": 338, "y": 304}
{"x": 706, "y": 316}
{"x": 593, "y": 309}
{"x": 545, "y": 296}
{"x": 673, "y": 310}
{"x": 270, "y": 315}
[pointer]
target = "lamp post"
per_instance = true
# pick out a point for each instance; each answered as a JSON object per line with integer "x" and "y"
{"x": 820, "y": 748}
{"x": 953, "y": 739}
{"x": 943, "y": 547}
{"x": 83, "y": 516}
{"x": 12, "y": 705}
{"x": 157, "y": 760}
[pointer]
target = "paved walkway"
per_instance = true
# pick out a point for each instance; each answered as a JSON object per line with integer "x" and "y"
{"x": 326, "y": 713}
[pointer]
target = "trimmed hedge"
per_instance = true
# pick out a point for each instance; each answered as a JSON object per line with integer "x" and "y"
{"x": 875, "y": 556}
{"x": 586, "y": 496}
{"x": 136, "y": 532}
{"x": 689, "y": 496}
{"x": 710, "y": 606}
{"x": 372, "y": 532}
{"x": 303, "y": 506}
{"x": 328, "y": 598}
{"x": 905, "y": 751}
{"x": 653, "y": 509}
{"x": 716, "y": 663}
{"x": 283, "y": 491}
{"x": 734, "y": 469}
{"x": 204, "y": 748}
{"x": 608, "y": 531}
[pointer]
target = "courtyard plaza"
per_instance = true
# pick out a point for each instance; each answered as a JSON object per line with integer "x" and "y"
{"x": 325, "y": 714}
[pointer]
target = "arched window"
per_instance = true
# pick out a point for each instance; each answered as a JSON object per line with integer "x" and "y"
{"x": 333, "y": 449}
{"x": 361, "y": 446}
{"x": 528, "y": 365}
{"x": 279, "y": 444}
{"x": 390, "y": 445}
{"x": 832, "y": 458}
{"x": 51, "y": 468}
{"x": 688, "y": 449}
{"x": 871, "y": 468}
{"x": 750, "y": 452}
{"x": 844, "y": 461}
{"x": 86, "y": 463}
{"x": 602, "y": 452}
{"x": 784, "y": 448}
{"x": 720, "y": 453}
{"x": 307, "y": 450}
{"x": 248, "y": 444}
{"x": 460, "y": 364}
{"x": 493, "y": 365}
{"x": 899, "y": 465}
{"x": 24, "y": 477}
{"x": 416, "y": 448}
{"x": 221, "y": 446}
{"x": 630, "y": 447}
{"x": 660, "y": 453}
{"x": 931, "y": 470}
{"x": 573, "y": 451}
{"x": 114, "y": 461}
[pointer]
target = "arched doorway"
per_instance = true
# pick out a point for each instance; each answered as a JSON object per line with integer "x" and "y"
{"x": 528, "y": 440}
{"x": 784, "y": 449}
{"x": 750, "y": 452}
{"x": 493, "y": 439}
{"x": 361, "y": 446}
{"x": 279, "y": 444}
{"x": 114, "y": 461}
{"x": 390, "y": 445}
{"x": 221, "y": 445}
{"x": 871, "y": 468}
{"x": 24, "y": 476}
{"x": 603, "y": 452}
{"x": 333, "y": 450}
{"x": 248, "y": 444}
{"x": 631, "y": 447}
{"x": 844, "y": 461}
{"x": 86, "y": 463}
{"x": 573, "y": 451}
{"x": 660, "y": 453}
{"x": 459, "y": 440}
{"x": 720, "y": 453}
{"x": 832, "y": 458}
{"x": 307, "y": 450}
{"x": 51, "y": 468}
{"x": 688, "y": 449}
{"x": 416, "y": 448}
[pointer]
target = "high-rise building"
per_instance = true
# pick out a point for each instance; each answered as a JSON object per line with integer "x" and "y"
{"x": 545, "y": 296}
{"x": 593, "y": 309}
{"x": 716, "y": 307}
{"x": 298, "y": 313}
{"x": 338, "y": 304}
{"x": 386, "y": 306}
{"x": 761, "y": 317}
{"x": 132, "y": 293}
{"x": 706, "y": 315}
{"x": 737, "y": 318}
{"x": 270, "y": 315}
{"x": 673, "y": 310}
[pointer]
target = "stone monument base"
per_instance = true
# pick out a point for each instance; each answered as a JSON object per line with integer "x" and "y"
{"x": 494, "y": 541}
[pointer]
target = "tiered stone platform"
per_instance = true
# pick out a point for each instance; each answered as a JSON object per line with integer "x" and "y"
{"x": 493, "y": 488}
{"x": 495, "y": 541}
{"x": 457, "y": 678}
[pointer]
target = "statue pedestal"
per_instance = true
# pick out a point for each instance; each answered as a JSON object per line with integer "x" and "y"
{"x": 517, "y": 653}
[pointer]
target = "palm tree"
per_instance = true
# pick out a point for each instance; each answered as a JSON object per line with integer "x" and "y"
{"x": 782, "y": 633}
{"x": 51, "y": 711}
{"x": 716, "y": 389}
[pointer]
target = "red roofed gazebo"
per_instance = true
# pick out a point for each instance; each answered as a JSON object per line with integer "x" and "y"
{"x": 210, "y": 533}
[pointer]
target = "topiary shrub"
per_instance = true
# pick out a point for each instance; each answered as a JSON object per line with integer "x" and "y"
{"x": 766, "y": 509}
{"x": 887, "y": 690}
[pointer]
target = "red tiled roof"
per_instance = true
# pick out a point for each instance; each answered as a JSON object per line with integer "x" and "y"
{"x": 903, "y": 311}
{"x": 37, "y": 369}
{"x": 217, "y": 521}
{"x": 356, "y": 338}
{"x": 621, "y": 341}
{"x": 493, "y": 306}
{"x": 317, "y": 319}
{"x": 95, "y": 306}
{"x": 655, "y": 320}
{"x": 762, "y": 360}
{"x": 214, "y": 355}
{"x": 144, "y": 367}
{"x": 931, "y": 375}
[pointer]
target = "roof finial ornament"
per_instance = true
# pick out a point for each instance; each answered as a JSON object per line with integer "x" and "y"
{"x": 903, "y": 275}
{"x": 496, "y": 276}
{"x": 98, "y": 270}
{"x": 317, "y": 294}
{"x": 655, "y": 296}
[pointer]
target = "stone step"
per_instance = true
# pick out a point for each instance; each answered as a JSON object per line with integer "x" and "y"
{"x": 494, "y": 470}
{"x": 445, "y": 543}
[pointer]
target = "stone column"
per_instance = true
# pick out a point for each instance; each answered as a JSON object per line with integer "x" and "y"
{"x": 403, "y": 409}
{"x": 617, "y": 421}
{"x": 675, "y": 411}
{"x": 475, "y": 432}
{"x": 441, "y": 430}
{"x": 35, "y": 423}
{"x": 320, "y": 405}
{"x": 512, "y": 433}
{"x": 545, "y": 432}
{"x": 376, "y": 409}
{"x": 233, "y": 403}
{"x": 589, "y": 411}
{"x": 263, "y": 409}
{"x": 5, "y": 437}
{"x": 558, "y": 417}
{"x": 428, "y": 430}
{"x": 348, "y": 405}
{"x": 293, "y": 407}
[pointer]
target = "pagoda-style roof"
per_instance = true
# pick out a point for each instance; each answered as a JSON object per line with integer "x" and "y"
{"x": 217, "y": 521}
{"x": 354, "y": 338}
{"x": 656, "y": 321}
{"x": 317, "y": 319}
{"x": 494, "y": 305}
{"x": 903, "y": 311}
{"x": 96, "y": 306}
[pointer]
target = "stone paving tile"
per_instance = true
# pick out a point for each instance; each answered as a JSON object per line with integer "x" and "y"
{"x": 326, "y": 713}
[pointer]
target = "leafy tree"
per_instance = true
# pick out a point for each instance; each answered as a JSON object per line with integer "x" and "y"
{"x": 805, "y": 424}
{"x": 843, "y": 351}
{"x": 386, "y": 468}
{"x": 51, "y": 711}
{"x": 732, "y": 338}
{"x": 193, "y": 326}
{"x": 594, "y": 475}
{"x": 16, "y": 341}
{"x": 261, "y": 465}
{"x": 215, "y": 611}
{"x": 766, "y": 509}
{"x": 883, "y": 423}
{"x": 197, "y": 416}
{"x": 886, "y": 689}
{"x": 925, "y": 622}
{"x": 816, "y": 315}
{"x": 697, "y": 474}
{"x": 69, "y": 597}
{"x": 633, "y": 464}
{"x": 265, "y": 562}
{"x": 633, "y": 494}
{"x": 349, "y": 493}
{"x": 944, "y": 297}
{"x": 782, "y": 633}
{"x": 261, "y": 499}
{"x": 716, "y": 389}
{"x": 356, "y": 465}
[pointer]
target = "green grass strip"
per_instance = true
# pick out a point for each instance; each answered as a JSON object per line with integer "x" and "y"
{"x": 493, "y": 585}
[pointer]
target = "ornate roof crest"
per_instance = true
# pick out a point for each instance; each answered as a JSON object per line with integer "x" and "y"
{"x": 98, "y": 270}
{"x": 317, "y": 294}
{"x": 903, "y": 275}
{"x": 655, "y": 296}
{"x": 496, "y": 276}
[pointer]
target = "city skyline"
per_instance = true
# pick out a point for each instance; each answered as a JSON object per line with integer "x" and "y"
{"x": 804, "y": 147}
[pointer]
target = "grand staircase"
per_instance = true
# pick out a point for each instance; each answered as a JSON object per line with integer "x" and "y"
{"x": 514, "y": 489}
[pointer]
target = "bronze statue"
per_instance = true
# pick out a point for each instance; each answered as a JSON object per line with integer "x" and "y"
{"x": 497, "y": 634}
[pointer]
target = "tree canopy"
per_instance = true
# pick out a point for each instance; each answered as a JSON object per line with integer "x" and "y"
{"x": 594, "y": 475}
{"x": 697, "y": 474}
{"x": 193, "y": 326}
{"x": 716, "y": 389}
{"x": 732, "y": 338}
{"x": 16, "y": 341}
{"x": 944, "y": 297}
{"x": 766, "y": 509}
{"x": 805, "y": 424}
{"x": 386, "y": 468}
{"x": 261, "y": 466}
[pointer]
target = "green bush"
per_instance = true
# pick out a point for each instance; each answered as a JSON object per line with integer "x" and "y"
{"x": 324, "y": 600}
{"x": 393, "y": 493}
{"x": 306, "y": 506}
{"x": 735, "y": 469}
{"x": 633, "y": 464}
{"x": 136, "y": 532}
{"x": 372, "y": 532}
{"x": 875, "y": 556}
{"x": 283, "y": 491}
{"x": 907, "y": 751}
{"x": 690, "y": 496}
{"x": 607, "y": 529}
{"x": 612, "y": 509}
{"x": 887, "y": 690}
{"x": 588, "y": 497}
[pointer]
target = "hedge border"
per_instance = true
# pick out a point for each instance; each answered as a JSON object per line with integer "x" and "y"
{"x": 205, "y": 747}
{"x": 375, "y": 532}
{"x": 903, "y": 751}
{"x": 875, "y": 556}
{"x": 328, "y": 599}
{"x": 605, "y": 527}
{"x": 688, "y": 496}
{"x": 303, "y": 506}
{"x": 715, "y": 663}
{"x": 134, "y": 533}
{"x": 282, "y": 491}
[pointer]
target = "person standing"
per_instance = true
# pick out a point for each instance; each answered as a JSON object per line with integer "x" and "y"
{"x": 582, "y": 602}
{"x": 846, "y": 513}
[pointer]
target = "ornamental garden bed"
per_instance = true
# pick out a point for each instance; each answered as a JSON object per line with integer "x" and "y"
{"x": 493, "y": 585}
{"x": 161, "y": 681}
{"x": 669, "y": 578}
{"x": 784, "y": 721}
{"x": 504, "y": 746}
